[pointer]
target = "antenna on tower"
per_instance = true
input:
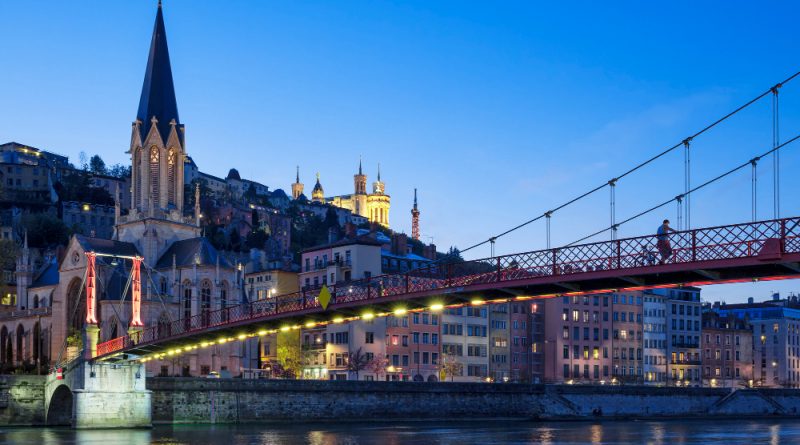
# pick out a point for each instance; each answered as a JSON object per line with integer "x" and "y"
{"x": 415, "y": 219}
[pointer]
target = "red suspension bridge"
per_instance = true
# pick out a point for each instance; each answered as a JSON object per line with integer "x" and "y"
{"x": 757, "y": 250}
{"x": 764, "y": 250}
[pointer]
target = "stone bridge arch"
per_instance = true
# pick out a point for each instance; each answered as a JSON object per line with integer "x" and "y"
{"x": 59, "y": 406}
{"x": 98, "y": 395}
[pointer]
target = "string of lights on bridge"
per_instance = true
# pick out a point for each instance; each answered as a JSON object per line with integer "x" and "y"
{"x": 434, "y": 307}
{"x": 683, "y": 200}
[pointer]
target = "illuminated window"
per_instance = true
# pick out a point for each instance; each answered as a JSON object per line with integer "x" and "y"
{"x": 154, "y": 175}
{"x": 171, "y": 172}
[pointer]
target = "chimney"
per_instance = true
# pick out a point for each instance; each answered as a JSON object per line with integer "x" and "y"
{"x": 400, "y": 244}
{"x": 776, "y": 296}
{"x": 750, "y": 300}
{"x": 350, "y": 230}
{"x": 429, "y": 251}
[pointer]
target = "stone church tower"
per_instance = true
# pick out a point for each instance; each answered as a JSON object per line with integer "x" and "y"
{"x": 360, "y": 192}
{"x": 155, "y": 218}
{"x": 297, "y": 186}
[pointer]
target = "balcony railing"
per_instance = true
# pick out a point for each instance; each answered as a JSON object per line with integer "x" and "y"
{"x": 47, "y": 310}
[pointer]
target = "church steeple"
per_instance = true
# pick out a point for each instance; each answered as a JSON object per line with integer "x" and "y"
{"x": 378, "y": 188}
{"x": 158, "y": 92}
{"x": 360, "y": 182}
{"x": 297, "y": 187}
{"x": 157, "y": 161}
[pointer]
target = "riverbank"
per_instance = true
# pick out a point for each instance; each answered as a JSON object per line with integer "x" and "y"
{"x": 229, "y": 401}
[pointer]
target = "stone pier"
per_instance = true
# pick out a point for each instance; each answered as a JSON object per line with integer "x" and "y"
{"x": 98, "y": 395}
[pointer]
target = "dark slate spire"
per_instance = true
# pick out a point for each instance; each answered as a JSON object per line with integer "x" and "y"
{"x": 158, "y": 91}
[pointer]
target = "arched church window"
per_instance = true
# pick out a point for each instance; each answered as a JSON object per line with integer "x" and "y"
{"x": 137, "y": 186}
{"x": 5, "y": 346}
{"x": 223, "y": 300}
{"x": 154, "y": 175}
{"x": 171, "y": 169}
{"x": 205, "y": 300}
{"x": 163, "y": 286}
{"x": 187, "y": 299}
{"x": 76, "y": 305}
{"x": 35, "y": 301}
{"x": 162, "y": 328}
{"x": 37, "y": 342}
{"x": 113, "y": 332}
{"x": 20, "y": 336}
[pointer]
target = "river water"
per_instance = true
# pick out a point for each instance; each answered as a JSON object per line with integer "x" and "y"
{"x": 673, "y": 432}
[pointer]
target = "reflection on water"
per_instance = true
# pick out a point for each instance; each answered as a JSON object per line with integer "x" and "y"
{"x": 712, "y": 431}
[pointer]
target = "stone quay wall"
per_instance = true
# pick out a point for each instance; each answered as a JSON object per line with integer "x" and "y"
{"x": 22, "y": 400}
{"x": 194, "y": 400}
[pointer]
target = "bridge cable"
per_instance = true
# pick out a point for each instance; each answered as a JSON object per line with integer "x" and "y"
{"x": 679, "y": 197}
{"x": 640, "y": 165}
{"x": 158, "y": 291}
{"x": 754, "y": 191}
{"x": 612, "y": 186}
{"x": 153, "y": 286}
{"x": 122, "y": 297}
{"x": 71, "y": 319}
{"x": 547, "y": 215}
{"x": 687, "y": 175}
{"x": 776, "y": 157}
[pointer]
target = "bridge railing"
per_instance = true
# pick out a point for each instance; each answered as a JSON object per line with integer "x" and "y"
{"x": 691, "y": 246}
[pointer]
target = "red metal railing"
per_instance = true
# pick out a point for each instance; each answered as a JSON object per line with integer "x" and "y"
{"x": 692, "y": 246}
{"x": 110, "y": 346}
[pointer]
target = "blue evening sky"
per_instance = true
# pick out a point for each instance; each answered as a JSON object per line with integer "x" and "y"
{"x": 495, "y": 111}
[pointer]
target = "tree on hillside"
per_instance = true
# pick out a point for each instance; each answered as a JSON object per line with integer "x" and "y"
{"x": 8, "y": 254}
{"x": 43, "y": 230}
{"x": 119, "y": 171}
{"x": 77, "y": 186}
{"x": 97, "y": 165}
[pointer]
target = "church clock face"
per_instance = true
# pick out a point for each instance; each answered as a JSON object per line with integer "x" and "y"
{"x": 76, "y": 257}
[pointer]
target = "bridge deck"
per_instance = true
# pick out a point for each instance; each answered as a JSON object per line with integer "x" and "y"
{"x": 765, "y": 250}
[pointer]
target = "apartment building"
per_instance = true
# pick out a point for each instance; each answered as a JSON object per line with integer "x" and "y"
{"x": 727, "y": 344}
{"x": 683, "y": 335}
{"x": 627, "y": 338}
{"x": 465, "y": 339}
{"x": 655, "y": 339}
{"x": 776, "y": 339}
{"x": 578, "y": 339}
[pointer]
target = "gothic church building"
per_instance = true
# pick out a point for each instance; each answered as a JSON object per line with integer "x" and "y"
{"x": 182, "y": 274}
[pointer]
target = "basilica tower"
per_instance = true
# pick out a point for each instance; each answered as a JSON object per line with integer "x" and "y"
{"x": 297, "y": 187}
{"x": 360, "y": 195}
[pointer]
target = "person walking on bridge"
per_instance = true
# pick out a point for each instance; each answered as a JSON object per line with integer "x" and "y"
{"x": 663, "y": 245}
